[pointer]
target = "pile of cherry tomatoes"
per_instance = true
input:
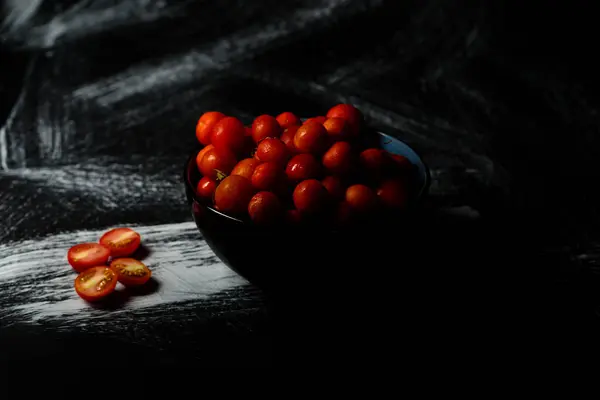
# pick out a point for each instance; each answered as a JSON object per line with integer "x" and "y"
{"x": 97, "y": 278}
{"x": 283, "y": 169}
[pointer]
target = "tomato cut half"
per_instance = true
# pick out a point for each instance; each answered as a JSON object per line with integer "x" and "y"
{"x": 121, "y": 241}
{"x": 95, "y": 283}
{"x": 87, "y": 255}
{"x": 131, "y": 272}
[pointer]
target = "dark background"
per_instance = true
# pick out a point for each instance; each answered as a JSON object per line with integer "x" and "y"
{"x": 98, "y": 102}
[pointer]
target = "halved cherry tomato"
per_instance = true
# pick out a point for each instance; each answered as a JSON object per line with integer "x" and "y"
{"x": 229, "y": 134}
{"x": 287, "y": 137}
{"x": 287, "y": 119}
{"x": 264, "y": 208}
{"x": 206, "y": 188}
{"x": 131, "y": 272}
{"x": 206, "y": 124}
{"x": 302, "y": 167}
{"x": 233, "y": 195}
{"x": 310, "y": 196}
{"x": 121, "y": 241}
{"x": 338, "y": 159}
{"x": 350, "y": 114}
{"x": 87, "y": 255}
{"x": 246, "y": 167}
{"x": 95, "y": 283}
{"x": 265, "y": 126}
{"x": 311, "y": 138}
{"x": 217, "y": 163}
{"x": 337, "y": 128}
{"x": 267, "y": 176}
{"x": 361, "y": 198}
{"x": 272, "y": 150}
{"x": 318, "y": 120}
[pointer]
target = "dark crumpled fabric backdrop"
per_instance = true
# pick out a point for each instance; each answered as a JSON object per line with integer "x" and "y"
{"x": 99, "y": 99}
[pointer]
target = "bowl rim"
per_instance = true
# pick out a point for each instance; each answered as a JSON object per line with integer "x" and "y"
{"x": 192, "y": 190}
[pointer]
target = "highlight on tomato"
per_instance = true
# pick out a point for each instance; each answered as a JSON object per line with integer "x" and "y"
{"x": 121, "y": 241}
{"x": 95, "y": 283}
{"x": 131, "y": 272}
{"x": 87, "y": 255}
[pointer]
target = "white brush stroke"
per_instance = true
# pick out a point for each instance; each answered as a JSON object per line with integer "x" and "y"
{"x": 182, "y": 69}
{"x": 181, "y": 262}
{"x": 4, "y": 131}
{"x": 18, "y": 13}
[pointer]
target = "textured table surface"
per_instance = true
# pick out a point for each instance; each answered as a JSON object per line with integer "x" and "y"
{"x": 98, "y": 103}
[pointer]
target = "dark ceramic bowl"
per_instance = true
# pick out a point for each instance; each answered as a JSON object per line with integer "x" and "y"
{"x": 283, "y": 256}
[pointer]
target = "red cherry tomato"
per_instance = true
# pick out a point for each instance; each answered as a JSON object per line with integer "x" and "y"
{"x": 401, "y": 164}
{"x": 206, "y": 124}
{"x": 245, "y": 167}
{"x": 233, "y": 195}
{"x": 361, "y": 198}
{"x": 264, "y": 208}
{"x": 338, "y": 159}
{"x": 344, "y": 214}
{"x": 393, "y": 194}
{"x": 201, "y": 154}
{"x": 265, "y": 126}
{"x": 272, "y": 150}
{"x": 293, "y": 217}
{"x": 335, "y": 187}
{"x": 374, "y": 160}
{"x": 318, "y": 120}
{"x": 267, "y": 176}
{"x": 337, "y": 129}
{"x": 87, "y": 255}
{"x": 287, "y": 137}
{"x": 95, "y": 283}
{"x": 228, "y": 134}
{"x": 121, "y": 241}
{"x": 217, "y": 163}
{"x": 287, "y": 119}
{"x": 350, "y": 114}
{"x": 206, "y": 188}
{"x": 311, "y": 138}
{"x": 131, "y": 272}
{"x": 302, "y": 167}
{"x": 310, "y": 196}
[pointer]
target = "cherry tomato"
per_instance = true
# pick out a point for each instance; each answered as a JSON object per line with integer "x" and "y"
{"x": 293, "y": 217}
{"x": 265, "y": 126}
{"x": 400, "y": 164}
{"x": 310, "y": 196}
{"x": 338, "y": 159}
{"x": 311, "y": 138}
{"x": 228, "y": 134}
{"x": 130, "y": 272}
{"x": 272, "y": 150}
{"x": 233, "y": 195}
{"x": 374, "y": 160}
{"x": 95, "y": 283}
{"x": 121, "y": 241}
{"x": 206, "y": 124}
{"x": 335, "y": 187}
{"x": 287, "y": 119}
{"x": 318, "y": 120}
{"x": 287, "y": 137}
{"x": 206, "y": 188}
{"x": 246, "y": 167}
{"x": 217, "y": 163}
{"x": 350, "y": 114}
{"x": 267, "y": 176}
{"x": 393, "y": 194}
{"x": 302, "y": 167}
{"x": 201, "y": 154}
{"x": 337, "y": 129}
{"x": 344, "y": 213}
{"x": 87, "y": 255}
{"x": 264, "y": 208}
{"x": 361, "y": 198}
